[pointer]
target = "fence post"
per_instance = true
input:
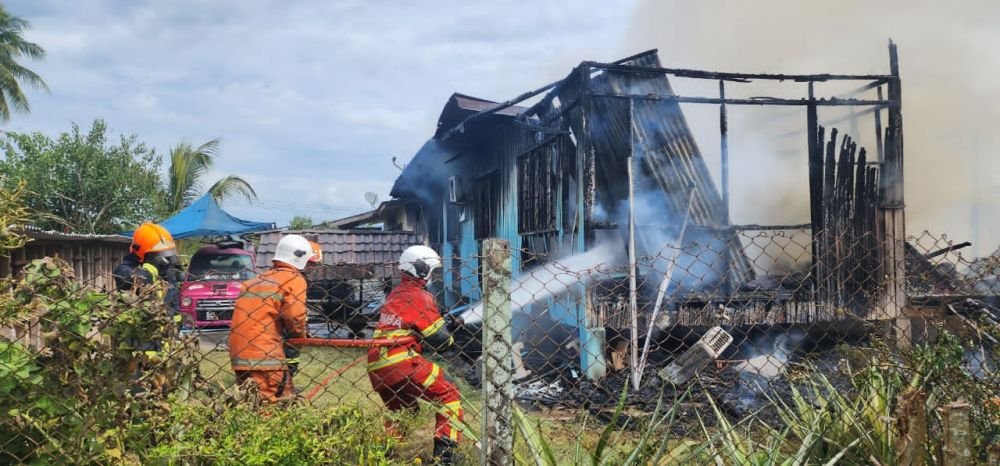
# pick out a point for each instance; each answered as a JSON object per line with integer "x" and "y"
{"x": 911, "y": 422}
{"x": 993, "y": 454}
{"x": 498, "y": 366}
{"x": 957, "y": 434}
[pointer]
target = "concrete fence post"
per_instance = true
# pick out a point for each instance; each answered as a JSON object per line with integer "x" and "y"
{"x": 957, "y": 434}
{"x": 911, "y": 423}
{"x": 498, "y": 365}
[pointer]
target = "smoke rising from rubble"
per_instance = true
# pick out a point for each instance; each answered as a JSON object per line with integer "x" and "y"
{"x": 950, "y": 99}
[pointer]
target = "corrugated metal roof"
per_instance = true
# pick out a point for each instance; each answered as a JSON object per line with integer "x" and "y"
{"x": 460, "y": 106}
{"x": 378, "y": 250}
{"x": 42, "y": 234}
{"x": 670, "y": 157}
{"x": 476, "y": 104}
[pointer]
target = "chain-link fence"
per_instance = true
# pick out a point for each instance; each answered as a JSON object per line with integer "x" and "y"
{"x": 733, "y": 346}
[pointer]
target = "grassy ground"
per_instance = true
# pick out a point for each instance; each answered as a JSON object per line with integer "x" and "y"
{"x": 347, "y": 384}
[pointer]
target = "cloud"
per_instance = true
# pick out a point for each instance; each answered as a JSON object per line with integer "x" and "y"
{"x": 311, "y": 99}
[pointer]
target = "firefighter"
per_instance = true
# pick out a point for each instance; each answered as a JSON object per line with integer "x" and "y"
{"x": 400, "y": 374}
{"x": 271, "y": 308}
{"x": 152, "y": 260}
{"x": 292, "y": 352}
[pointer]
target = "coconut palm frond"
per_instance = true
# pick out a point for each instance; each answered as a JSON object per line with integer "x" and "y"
{"x": 232, "y": 186}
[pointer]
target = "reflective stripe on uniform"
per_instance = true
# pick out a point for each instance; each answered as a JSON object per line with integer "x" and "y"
{"x": 152, "y": 270}
{"x": 155, "y": 273}
{"x": 432, "y": 328}
{"x": 262, "y": 294}
{"x": 389, "y": 360}
{"x": 453, "y": 411}
{"x": 258, "y": 363}
{"x": 435, "y": 372}
{"x": 399, "y": 332}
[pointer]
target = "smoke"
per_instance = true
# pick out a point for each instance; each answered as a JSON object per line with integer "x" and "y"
{"x": 427, "y": 172}
{"x": 553, "y": 279}
{"x": 950, "y": 98}
{"x": 697, "y": 266}
{"x": 769, "y": 356}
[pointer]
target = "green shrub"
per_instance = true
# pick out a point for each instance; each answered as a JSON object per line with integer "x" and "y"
{"x": 89, "y": 395}
{"x": 243, "y": 435}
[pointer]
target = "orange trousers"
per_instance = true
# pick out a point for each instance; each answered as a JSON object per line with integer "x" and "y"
{"x": 402, "y": 384}
{"x": 273, "y": 385}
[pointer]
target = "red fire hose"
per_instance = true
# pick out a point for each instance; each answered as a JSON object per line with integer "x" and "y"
{"x": 326, "y": 380}
{"x": 350, "y": 342}
{"x": 344, "y": 343}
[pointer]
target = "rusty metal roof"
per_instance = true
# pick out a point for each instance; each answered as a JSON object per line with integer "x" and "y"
{"x": 460, "y": 106}
{"x": 42, "y": 234}
{"x": 377, "y": 250}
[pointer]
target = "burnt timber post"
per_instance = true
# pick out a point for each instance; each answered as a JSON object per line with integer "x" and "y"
{"x": 892, "y": 221}
{"x": 498, "y": 365}
{"x": 815, "y": 193}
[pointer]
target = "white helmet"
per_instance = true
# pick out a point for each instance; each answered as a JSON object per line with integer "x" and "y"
{"x": 293, "y": 250}
{"x": 419, "y": 261}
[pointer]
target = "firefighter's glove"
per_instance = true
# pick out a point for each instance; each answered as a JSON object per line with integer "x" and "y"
{"x": 439, "y": 340}
{"x": 453, "y": 322}
{"x": 292, "y": 359}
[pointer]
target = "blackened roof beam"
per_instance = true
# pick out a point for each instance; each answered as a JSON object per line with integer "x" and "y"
{"x": 741, "y": 77}
{"x": 833, "y": 101}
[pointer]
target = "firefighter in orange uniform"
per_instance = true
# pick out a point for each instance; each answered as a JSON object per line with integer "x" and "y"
{"x": 271, "y": 307}
{"x": 399, "y": 373}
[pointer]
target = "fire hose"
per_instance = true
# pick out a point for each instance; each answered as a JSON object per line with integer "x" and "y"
{"x": 344, "y": 343}
{"x": 350, "y": 342}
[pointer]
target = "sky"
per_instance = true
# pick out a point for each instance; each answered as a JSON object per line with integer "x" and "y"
{"x": 312, "y": 99}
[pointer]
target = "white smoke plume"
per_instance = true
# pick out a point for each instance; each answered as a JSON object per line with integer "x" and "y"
{"x": 951, "y": 102}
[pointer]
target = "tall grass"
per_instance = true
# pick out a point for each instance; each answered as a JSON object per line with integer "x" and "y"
{"x": 817, "y": 422}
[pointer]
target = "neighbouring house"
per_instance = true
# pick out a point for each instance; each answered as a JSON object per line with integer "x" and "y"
{"x": 393, "y": 215}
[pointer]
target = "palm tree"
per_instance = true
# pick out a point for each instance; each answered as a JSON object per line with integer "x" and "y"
{"x": 188, "y": 167}
{"x": 12, "y": 48}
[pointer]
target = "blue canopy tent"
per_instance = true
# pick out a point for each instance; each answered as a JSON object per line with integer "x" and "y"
{"x": 204, "y": 217}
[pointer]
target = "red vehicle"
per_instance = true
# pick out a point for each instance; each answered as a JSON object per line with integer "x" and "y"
{"x": 212, "y": 283}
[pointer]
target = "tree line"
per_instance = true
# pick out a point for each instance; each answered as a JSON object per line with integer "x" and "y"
{"x": 84, "y": 180}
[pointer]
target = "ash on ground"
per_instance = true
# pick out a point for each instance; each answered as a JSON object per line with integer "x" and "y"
{"x": 739, "y": 389}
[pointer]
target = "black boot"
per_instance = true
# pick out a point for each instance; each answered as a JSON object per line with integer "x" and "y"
{"x": 444, "y": 452}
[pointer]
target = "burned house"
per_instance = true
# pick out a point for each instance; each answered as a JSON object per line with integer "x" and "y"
{"x": 604, "y": 161}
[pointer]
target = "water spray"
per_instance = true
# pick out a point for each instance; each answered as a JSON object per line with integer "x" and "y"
{"x": 549, "y": 280}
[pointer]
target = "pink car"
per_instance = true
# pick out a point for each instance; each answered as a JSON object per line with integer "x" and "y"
{"x": 212, "y": 283}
